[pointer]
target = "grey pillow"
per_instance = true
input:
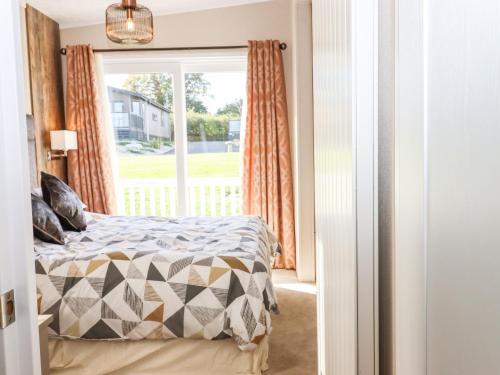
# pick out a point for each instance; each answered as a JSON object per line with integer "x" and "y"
{"x": 65, "y": 203}
{"x": 46, "y": 225}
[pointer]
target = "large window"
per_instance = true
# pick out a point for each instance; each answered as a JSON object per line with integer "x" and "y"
{"x": 178, "y": 135}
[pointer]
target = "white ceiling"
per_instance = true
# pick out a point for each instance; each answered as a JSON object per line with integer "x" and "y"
{"x": 73, "y": 13}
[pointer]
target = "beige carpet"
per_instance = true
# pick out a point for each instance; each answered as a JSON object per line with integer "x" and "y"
{"x": 293, "y": 347}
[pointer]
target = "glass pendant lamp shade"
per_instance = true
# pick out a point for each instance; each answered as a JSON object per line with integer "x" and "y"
{"x": 129, "y": 23}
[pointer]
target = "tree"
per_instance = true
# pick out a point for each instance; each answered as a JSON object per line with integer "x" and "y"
{"x": 158, "y": 87}
{"x": 154, "y": 86}
{"x": 232, "y": 110}
{"x": 196, "y": 89}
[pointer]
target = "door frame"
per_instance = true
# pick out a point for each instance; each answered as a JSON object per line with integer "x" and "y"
{"x": 409, "y": 305}
{"x": 19, "y": 342}
{"x": 365, "y": 15}
{"x": 346, "y": 168}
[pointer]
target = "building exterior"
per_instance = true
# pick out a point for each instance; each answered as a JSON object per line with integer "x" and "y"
{"x": 136, "y": 117}
{"x": 234, "y": 130}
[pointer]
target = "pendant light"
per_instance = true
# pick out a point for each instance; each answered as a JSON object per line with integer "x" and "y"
{"x": 128, "y": 23}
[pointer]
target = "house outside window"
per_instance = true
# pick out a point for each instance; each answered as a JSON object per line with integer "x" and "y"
{"x": 119, "y": 107}
{"x": 136, "y": 108}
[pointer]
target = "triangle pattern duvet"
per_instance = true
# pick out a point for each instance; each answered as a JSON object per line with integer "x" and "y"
{"x": 134, "y": 278}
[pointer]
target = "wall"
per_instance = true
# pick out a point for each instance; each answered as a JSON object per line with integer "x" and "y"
{"x": 303, "y": 126}
{"x": 447, "y": 179}
{"x": 275, "y": 19}
{"x": 463, "y": 137}
{"x": 46, "y": 86}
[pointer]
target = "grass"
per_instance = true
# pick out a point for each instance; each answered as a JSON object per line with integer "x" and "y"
{"x": 163, "y": 166}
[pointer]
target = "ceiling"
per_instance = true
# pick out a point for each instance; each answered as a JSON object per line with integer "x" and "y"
{"x": 73, "y": 13}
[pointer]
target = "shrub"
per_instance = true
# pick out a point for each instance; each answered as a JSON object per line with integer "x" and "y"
{"x": 215, "y": 127}
{"x": 155, "y": 143}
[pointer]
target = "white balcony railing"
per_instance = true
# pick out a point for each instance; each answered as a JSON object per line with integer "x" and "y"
{"x": 158, "y": 197}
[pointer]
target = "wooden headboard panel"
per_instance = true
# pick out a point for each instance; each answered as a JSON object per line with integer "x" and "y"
{"x": 46, "y": 86}
{"x": 32, "y": 151}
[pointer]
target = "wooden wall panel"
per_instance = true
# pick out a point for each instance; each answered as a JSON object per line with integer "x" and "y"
{"x": 46, "y": 86}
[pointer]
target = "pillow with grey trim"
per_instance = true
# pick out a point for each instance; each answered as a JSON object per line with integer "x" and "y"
{"x": 65, "y": 203}
{"x": 38, "y": 192}
{"x": 46, "y": 225}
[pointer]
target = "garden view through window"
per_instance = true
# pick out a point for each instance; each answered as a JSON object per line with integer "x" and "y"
{"x": 151, "y": 152}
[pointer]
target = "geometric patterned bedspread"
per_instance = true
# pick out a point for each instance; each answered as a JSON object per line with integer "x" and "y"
{"x": 133, "y": 278}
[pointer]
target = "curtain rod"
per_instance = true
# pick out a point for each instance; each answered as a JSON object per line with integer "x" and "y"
{"x": 283, "y": 47}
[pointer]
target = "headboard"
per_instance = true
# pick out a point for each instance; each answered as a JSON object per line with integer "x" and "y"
{"x": 46, "y": 86}
{"x": 32, "y": 151}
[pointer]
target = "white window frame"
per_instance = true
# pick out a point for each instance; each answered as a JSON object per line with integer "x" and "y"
{"x": 178, "y": 64}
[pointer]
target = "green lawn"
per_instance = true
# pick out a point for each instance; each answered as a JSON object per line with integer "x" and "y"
{"x": 163, "y": 166}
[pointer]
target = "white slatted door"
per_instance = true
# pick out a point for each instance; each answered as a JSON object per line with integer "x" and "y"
{"x": 345, "y": 114}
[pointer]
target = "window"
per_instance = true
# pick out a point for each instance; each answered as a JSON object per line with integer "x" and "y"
{"x": 118, "y": 106}
{"x": 136, "y": 108}
{"x": 180, "y": 154}
{"x": 146, "y": 153}
{"x": 120, "y": 120}
{"x": 214, "y": 101}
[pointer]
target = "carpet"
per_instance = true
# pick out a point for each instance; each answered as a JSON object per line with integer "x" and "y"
{"x": 293, "y": 346}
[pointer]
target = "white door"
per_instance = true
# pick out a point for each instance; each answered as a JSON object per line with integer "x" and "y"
{"x": 447, "y": 181}
{"x": 19, "y": 351}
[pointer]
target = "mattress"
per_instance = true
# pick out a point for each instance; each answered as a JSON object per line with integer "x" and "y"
{"x": 146, "y": 357}
{"x": 134, "y": 278}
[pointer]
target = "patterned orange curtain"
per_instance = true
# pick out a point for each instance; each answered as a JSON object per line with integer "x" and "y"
{"x": 89, "y": 167}
{"x": 267, "y": 173}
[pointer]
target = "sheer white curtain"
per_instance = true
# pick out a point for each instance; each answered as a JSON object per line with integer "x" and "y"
{"x": 108, "y": 126}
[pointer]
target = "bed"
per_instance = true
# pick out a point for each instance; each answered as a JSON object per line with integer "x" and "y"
{"x": 137, "y": 281}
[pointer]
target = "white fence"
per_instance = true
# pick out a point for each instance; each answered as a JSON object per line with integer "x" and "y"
{"x": 158, "y": 197}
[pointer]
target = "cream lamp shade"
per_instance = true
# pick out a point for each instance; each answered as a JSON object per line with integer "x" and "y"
{"x": 63, "y": 140}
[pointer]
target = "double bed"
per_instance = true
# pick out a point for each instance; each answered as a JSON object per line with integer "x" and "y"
{"x": 131, "y": 295}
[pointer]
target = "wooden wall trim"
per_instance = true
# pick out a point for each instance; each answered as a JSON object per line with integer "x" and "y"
{"x": 46, "y": 86}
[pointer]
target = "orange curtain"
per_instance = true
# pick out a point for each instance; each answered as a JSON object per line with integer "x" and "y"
{"x": 89, "y": 167}
{"x": 267, "y": 173}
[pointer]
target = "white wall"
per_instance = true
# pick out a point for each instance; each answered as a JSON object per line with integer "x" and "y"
{"x": 463, "y": 249}
{"x": 302, "y": 123}
{"x": 447, "y": 181}
{"x": 277, "y": 19}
